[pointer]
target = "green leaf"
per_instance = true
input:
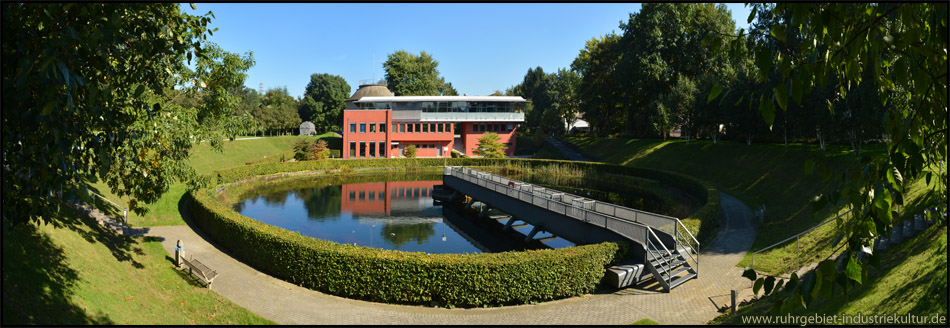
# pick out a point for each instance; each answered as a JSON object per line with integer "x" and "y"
{"x": 716, "y": 90}
{"x": 749, "y": 273}
{"x": 767, "y": 111}
{"x": 769, "y": 283}
{"x": 809, "y": 166}
{"x": 757, "y": 285}
{"x": 139, "y": 91}
{"x": 781, "y": 96}
{"x": 48, "y": 108}
{"x": 853, "y": 269}
{"x": 778, "y": 32}
{"x": 193, "y": 7}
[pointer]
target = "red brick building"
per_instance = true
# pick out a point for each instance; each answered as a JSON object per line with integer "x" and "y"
{"x": 377, "y": 124}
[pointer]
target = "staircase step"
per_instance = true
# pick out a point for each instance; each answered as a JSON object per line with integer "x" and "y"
{"x": 678, "y": 271}
{"x": 667, "y": 268}
{"x": 681, "y": 280}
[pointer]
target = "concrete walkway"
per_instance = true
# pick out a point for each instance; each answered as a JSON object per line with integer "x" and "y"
{"x": 695, "y": 302}
{"x": 571, "y": 154}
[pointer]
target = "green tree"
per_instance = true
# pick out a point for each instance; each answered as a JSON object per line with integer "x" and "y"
{"x": 410, "y": 151}
{"x": 279, "y": 111}
{"x": 599, "y": 91}
{"x": 411, "y": 75}
{"x": 302, "y": 150}
{"x": 904, "y": 46}
{"x": 490, "y": 147}
{"x": 87, "y": 93}
{"x": 324, "y": 100}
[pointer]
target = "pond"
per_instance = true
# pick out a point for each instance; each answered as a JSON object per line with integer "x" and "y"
{"x": 397, "y": 212}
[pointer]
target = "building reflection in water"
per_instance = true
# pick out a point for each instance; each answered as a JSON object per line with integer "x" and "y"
{"x": 403, "y": 209}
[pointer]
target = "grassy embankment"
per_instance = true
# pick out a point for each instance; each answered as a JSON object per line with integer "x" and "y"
{"x": 205, "y": 160}
{"x": 913, "y": 275}
{"x": 912, "y": 278}
{"x": 526, "y": 146}
{"x": 768, "y": 174}
{"x": 83, "y": 274}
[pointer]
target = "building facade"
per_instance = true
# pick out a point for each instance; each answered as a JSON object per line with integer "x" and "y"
{"x": 377, "y": 124}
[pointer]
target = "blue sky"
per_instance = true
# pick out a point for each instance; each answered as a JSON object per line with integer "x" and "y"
{"x": 480, "y": 47}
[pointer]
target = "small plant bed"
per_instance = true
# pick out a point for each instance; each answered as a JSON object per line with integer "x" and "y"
{"x": 452, "y": 280}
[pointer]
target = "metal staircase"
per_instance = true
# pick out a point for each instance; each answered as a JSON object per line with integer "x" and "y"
{"x": 670, "y": 268}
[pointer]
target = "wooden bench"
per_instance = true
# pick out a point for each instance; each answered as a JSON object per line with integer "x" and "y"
{"x": 201, "y": 271}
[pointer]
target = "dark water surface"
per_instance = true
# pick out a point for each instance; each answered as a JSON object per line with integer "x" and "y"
{"x": 396, "y": 212}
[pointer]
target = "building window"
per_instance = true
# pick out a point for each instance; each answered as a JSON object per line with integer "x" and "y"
{"x": 402, "y": 127}
{"x": 425, "y": 128}
{"x": 372, "y": 127}
{"x": 409, "y": 128}
{"x": 382, "y": 150}
{"x": 432, "y": 127}
{"x": 362, "y": 196}
{"x": 353, "y": 149}
{"x": 352, "y": 195}
{"x": 510, "y": 127}
{"x": 418, "y": 129}
{"x": 352, "y": 127}
{"x": 372, "y": 149}
{"x": 440, "y": 127}
{"x": 362, "y": 127}
{"x": 382, "y": 127}
{"x": 362, "y": 149}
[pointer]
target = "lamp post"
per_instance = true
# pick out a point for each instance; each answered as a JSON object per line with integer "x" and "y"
{"x": 445, "y": 154}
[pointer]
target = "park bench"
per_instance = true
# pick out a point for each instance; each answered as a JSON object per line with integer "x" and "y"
{"x": 201, "y": 271}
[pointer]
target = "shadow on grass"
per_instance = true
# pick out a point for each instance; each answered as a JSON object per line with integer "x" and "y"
{"x": 37, "y": 282}
{"x": 119, "y": 245}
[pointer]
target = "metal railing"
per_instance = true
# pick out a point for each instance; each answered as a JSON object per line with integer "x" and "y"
{"x": 125, "y": 211}
{"x": 797, "y": 237}
{"x": 638, "y": 228}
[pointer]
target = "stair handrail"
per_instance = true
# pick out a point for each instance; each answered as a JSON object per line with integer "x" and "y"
{"x": 694, "y": 249}
{"x": 796, "y": 237}
{"x": 125, "y": 211}
{"x": 649, "y": 229}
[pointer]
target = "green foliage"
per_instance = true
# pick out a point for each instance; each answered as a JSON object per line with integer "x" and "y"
{"x": 302, "y": 150}
{"x": 490, "y": 147}
{"x": 89, "y": 94}
{"x": 278, "y": 112}
{"x": 320, "y": 150}
{"x": 410, "y": 151}
{"x": 324, "y": 100}
{"x": 900, "y": 48}
{"x": 411, "y": 75}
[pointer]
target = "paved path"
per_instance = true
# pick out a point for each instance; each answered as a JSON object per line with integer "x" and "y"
{"x": 695, "y": 302}
{"x": 571, "y": 154}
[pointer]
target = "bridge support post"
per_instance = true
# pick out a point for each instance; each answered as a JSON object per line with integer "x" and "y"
{"x": 484, "y": 211}
{"x": 534, "y": 231}
{"x": 510, "y": 222}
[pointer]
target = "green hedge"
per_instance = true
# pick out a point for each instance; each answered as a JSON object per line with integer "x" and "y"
{"x": 464, "y": 280}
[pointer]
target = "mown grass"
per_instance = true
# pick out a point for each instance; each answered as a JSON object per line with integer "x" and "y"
{"x": 82, "y": 273}
{"x": 205, "y": 160}
{"x": 760, "y": 174}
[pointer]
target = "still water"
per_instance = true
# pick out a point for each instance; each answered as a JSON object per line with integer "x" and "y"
{"x": 399, "y": 215}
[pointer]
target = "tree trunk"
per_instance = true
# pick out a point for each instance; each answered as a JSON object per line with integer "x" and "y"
{"x": 748, "y": 139}
{"x": 821, "y": 140}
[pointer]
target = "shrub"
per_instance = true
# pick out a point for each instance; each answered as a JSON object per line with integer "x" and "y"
{"x": 302, "y": 150}
{"x": 464, "y": 280}
{"x": 489, "y": 147}
{"x": 410, "y": 151}
{"x": 319, "y": 150}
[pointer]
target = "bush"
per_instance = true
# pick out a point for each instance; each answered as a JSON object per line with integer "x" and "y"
{"x": 302, "y": 150}
{"x": 458, "y": 154}
{"x": 464, "y": 280}
{"x": 319, "y": 150}
{"x": 410, "y": 151}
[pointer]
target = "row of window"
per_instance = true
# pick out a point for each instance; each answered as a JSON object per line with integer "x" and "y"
{"x": 493, "y": 127}
{"x": 447, "y": 107}
{"x": 403, "y": 127}
{"x": 395, "y": 193}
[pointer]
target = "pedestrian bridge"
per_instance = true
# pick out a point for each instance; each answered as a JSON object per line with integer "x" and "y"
{"x": 660, "y": 244}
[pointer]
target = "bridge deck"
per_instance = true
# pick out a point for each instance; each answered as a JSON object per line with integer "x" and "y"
{"x": 575, "y": 218}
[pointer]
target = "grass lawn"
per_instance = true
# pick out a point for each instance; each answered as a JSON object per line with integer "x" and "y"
{"x": 84, "y": 274}
{"x": 768, "y": 174}
{"x": 205, "y": 160}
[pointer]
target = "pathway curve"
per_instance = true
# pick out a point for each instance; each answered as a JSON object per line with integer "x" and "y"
{"x": 695, "y": 302}
{"x": 571, "y": 154}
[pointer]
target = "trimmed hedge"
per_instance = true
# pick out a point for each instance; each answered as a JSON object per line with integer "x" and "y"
{"x": 464, "y": 280}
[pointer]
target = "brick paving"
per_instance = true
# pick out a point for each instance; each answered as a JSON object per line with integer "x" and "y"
{"x": 695, "y": 302}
